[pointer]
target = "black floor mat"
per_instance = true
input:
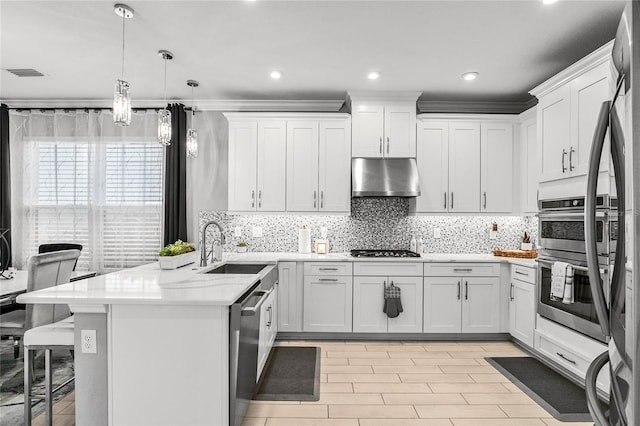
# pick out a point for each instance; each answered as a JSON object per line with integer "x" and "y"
{"x": 292, "y": 373}
{"x": 562, "y": 398}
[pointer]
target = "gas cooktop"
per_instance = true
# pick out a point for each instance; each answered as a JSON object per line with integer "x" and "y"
{"x": 384, "y": 253}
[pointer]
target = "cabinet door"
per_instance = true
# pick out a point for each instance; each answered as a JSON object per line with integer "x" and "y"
{"x": 442, "y": 304}
{"x": 410, "y": 320}
{"x": 554, "y": 117}
{"x": 368, "y": 132}
{"x": 588, "y": 92}
{"x": 272, "y": 161}
{"x": 302, "y": 166}
{"x": 243, "y": 140}
{"x": 399, "y": 131}
{"x": 335, "y": 166}
{"x": 327, "y": 303}
{"x": 522, "y": 312}
{"x": 464, "y": 167}
{"x": 496, "y": 164}
{"x": 368, "y": 301}
{"x": 266, "y": 336}
{"x": 433, "y": 166}
{"x": 529, "y": 166}
{"x": 289, "y": 297}
{"x": 480, "y": 304}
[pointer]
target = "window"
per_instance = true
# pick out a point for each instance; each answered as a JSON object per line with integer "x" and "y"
{"x": 99, "y": 188}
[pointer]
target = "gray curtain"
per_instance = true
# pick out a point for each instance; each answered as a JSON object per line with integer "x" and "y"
{"x": 175, "y": 184}
{"x": 5, "y": 184}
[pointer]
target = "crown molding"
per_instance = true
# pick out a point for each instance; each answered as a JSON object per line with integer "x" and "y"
{"x": 528, "y": 114}
{"x": 283, "y": 115}
{"x": 468, "y": 117}
{"x": 201, "y": 105}
{"x": 386, "y": 96}
{"x": 592, "y": 60}
{"x": 480, "y": 107}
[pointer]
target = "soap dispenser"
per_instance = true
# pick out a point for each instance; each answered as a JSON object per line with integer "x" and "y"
{"x": 413, "y": 244}
{"x": 420, "y": 245}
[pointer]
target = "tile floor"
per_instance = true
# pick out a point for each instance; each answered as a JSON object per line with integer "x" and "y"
{"x": 397, "y": 384}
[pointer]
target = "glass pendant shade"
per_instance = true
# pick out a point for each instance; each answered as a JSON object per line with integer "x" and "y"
{"x": 192, "y": 143}
{"x": 164, "y": 127}
{"x": 121, "y": 104}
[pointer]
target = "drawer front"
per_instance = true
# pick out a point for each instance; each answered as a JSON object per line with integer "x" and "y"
{"x": 562, "y": 355}
{"x": 328, "y": 268}
{"x": 461, "y": 269}
{"x": 405, "y": 269}
{"x": 523, "y": 273}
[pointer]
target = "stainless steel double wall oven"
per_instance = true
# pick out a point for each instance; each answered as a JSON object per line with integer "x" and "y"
{"x": 561, "y": 234}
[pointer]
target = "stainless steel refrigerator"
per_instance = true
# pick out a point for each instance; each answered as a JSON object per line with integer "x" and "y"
{"x": 618, "y": 301}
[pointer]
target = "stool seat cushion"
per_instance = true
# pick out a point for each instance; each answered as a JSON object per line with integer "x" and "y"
{"x": 57, "y": 334}
{"x": 13, "y": 319}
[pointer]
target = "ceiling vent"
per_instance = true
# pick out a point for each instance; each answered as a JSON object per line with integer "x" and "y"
{"x": 25, "y": 72}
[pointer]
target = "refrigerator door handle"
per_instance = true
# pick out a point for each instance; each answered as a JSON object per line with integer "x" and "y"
{"x": 593, "y": 403}
{"x": 595, "y": 279}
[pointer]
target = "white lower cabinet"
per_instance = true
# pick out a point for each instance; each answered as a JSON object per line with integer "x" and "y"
{"x": 268, "y": 328}
{"x": 522, "y": 304}
{"x": 368, "y": 303}
{"x": 289, "y": 296}
{"x": 327, "y": 303}
{"x": 461, "y": 304}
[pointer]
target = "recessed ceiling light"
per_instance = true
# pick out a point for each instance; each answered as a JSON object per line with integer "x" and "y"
{"x": 469, "y": 76}
{"x": 373, "y": 75}
{"x": 549, "y": 1}
{"x": 275, "y": 75}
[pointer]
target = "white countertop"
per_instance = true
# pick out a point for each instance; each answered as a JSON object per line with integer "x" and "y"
{"x": 148, "y": 284}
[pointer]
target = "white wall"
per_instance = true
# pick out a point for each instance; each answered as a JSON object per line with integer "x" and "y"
{"x": 207, "y": 174}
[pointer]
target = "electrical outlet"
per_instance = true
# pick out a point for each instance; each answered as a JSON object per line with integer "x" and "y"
{"x": 436, "y": 232}
{"x": 89, "y": 344}
{"x": 257, "y": 232}
{"x": 238, "y": 231}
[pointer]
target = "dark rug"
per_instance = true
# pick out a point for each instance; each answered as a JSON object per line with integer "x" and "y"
{"x": 292, "y": 373}
{"x": 562, "y": 398}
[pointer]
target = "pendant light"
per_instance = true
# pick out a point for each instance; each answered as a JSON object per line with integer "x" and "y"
{"x": 192, "y": 134}
{"x": 121, "y": 101}
{"x": 164, "y": 117}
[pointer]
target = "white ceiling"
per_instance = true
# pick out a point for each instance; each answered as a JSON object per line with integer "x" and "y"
{"x": 323, "y": 48}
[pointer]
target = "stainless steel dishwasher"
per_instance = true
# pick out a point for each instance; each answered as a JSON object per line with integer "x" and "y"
{"x": 244, "y": 335}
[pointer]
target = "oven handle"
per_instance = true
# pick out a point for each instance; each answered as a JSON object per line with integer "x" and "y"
{"x": 560, "y": 214}
{"x": 591, "y": 245}
{"x": 578, "y": 267}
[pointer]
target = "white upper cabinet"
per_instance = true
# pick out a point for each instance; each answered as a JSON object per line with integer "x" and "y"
{"x": 568, "y": 109}
{"x": 302, "y": 166}
{"x": 465, "y": 166}
{"x": 496, "y": 154}
{"x": 272, "y": 146}
{"x": 384, "y": 125}
{"x": 334, "y": 179}
{"x": 528, "y": 163}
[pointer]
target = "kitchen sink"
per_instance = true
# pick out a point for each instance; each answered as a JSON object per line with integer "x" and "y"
{"x": 238, "y": 268}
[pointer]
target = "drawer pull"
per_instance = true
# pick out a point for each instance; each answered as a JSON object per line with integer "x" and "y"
{"x": 565, "y": 358}
{"x": 521, "y": 273}
{"x": 328, "y": 279}
{"x": 328, "y": 269}
{"x": 462, "y": 269}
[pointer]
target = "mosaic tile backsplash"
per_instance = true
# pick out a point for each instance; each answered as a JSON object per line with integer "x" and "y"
{"x": 383, "y": 223}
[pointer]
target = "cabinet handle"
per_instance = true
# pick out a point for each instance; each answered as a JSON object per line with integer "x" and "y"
{"x": 564, "y": 153}
{"x": 380, "y": 145}
{"x": 511, "y": 292}
{"x": 269, "y": 320}
{"x": 462, "y": 269}
{"x": 328, "y": 279}
{"x": 253, "y": 199}
{"x": 484, "y": 204}
{"x": 260, "y": 199}
{"x": 327, "y": 269}
{"x": 459, "y": 290}
{"x": 466, "y": 290}
{"x": 321, "y": 199}
{"x": 571, "y": 166}
{"x": 315, "y": 196}
{"x": 445, "y": 200}
{"x": 565, "y": 358}
{"x": 452, "y": 200}
{"x": 521, "y": 273}
{"x": 387, "y": 144}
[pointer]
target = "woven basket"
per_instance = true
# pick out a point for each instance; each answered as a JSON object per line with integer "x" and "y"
{"x": 523, "y": 254}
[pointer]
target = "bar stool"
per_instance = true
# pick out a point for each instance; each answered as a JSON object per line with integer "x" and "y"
{"x": 58, "y": 335}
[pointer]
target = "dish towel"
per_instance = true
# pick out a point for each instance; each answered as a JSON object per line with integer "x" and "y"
{"x": 562, "y": 282}
{"x": 392, "y": 303}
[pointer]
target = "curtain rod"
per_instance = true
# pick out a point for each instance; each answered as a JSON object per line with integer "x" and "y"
{"x": 78, "y": 109}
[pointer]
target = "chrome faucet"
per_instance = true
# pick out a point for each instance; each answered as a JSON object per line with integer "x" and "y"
{"x": 203, "y": 248}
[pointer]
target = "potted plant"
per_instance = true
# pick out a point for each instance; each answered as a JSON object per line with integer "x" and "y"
{"x": 175, "y": 255}
{"x": 526, "y": 242}
{"x": 242, "y": 247}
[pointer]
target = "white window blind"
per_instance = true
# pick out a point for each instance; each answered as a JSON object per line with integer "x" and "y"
{"x": 88, "y": 182}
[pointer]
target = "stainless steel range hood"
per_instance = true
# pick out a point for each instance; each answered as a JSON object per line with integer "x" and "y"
{"x": 384, "y": 177}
